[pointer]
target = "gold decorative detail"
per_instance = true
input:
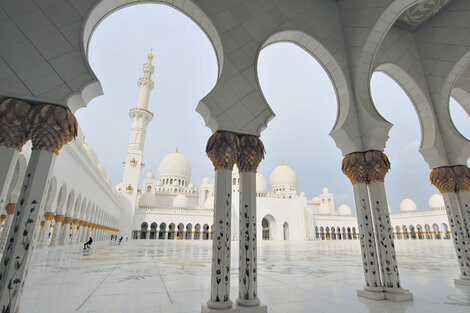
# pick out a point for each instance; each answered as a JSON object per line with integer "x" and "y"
{"x": 378, "y": 165}
{"x": 451, "y": 178}
{"x": 139, "y": 190}
{"x": 14, "y": 123}
{"x": 150, "y": 55}
{"x": 68, "y": 220}
{"x": 222, "y": 149}
{"x": 129, "y": 188}
{"x": 177, "y": 148}
{"x": 133, "y": 161}
{"x": 282, "y": 162}
{"x": 462, "y": 178}
{"x": 366, "y": 167}
{"x": 49, "y": 216}
{"x": 10, "y": 208}
{"x": 52, "y": 126}
{"x": 82, "y": 223}
{"x": 354, "y": 166}
{"x": 2, "y": 218}
{"x": 59, "y": 218}
{"x": 251, "y": 153}
{"x": 42, "y": 223}
{"x": 75, "y": 221}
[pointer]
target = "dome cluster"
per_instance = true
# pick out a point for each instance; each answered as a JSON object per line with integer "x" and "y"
{"x": 408, "y": 206}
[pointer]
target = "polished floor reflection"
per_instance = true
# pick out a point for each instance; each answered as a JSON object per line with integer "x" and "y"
{"x": 162, "y": 276}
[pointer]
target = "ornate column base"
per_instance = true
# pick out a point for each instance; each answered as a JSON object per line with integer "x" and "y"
{"x": 261, "y": 308}
{"x": 390, "y": 294}
{"x": 462, "y": 281}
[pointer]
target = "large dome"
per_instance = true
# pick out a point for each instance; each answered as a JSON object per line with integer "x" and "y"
{"x": 175, "y": 164}
{"x": 436, "y": 202}
{"x": 283, "y": 175}
{"x": 261, "y": 184}
{"x": 181, "y": 201}
{"x": 408, "y": 206}
{"x": 148, "y": 199}
{"x": 344, "y": 210}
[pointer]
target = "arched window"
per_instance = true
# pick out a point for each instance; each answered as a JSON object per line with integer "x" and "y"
{"x": 149, "y": 188}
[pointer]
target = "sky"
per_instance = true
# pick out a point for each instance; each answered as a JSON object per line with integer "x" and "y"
{"x": 292, "y": 81}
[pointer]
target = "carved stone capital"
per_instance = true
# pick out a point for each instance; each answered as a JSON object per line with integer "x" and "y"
{"x": 68, "y": 220}
{"x": 355, "y": 168}
{"x": 222, "y": 148}
{"x": 75, "y": 221}
{"x": 462, "y": 178}
{"x": 2, "y": 218}
{"x": 366, "y": 167}
{"x": 451, "y": 178}
{"x": 378, "y": 165}
{"x": 14, "y": 123}
{"x": 10, "y": 208}
{"x": 52, "y": 126}
{"x": 42, "y": 223}
{"x": 59, "y": 218}
{"x": 251, "y": 152}
{"x": 82, "y": 223}
{"x": 49, "y": 216}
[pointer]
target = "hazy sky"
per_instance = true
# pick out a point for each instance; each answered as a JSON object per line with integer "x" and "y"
{"x": 294, "y": 84}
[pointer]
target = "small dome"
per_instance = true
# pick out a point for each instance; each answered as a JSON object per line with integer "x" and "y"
{"x": 148, "y": 199}
{"x": 316, "y": 199}
{"x": 175, "y": 164}
{"x": 325, "y": 190}
{"x": 180, "y": 201}
{"x": 323, "y": 209}
{"x": 206, "y": 181}
{"x": 90, "y": 152}
{"x": 344, "y": 210}
{"x": 261, "y": 184}
{"x": 191, "y": 186}
{"x": 150, "y": 175}
{"x": 283, "y": 175}
{"x": 408, "y": 206}
{"x": 209, "y": 203}
{"x": 436, "y": 202}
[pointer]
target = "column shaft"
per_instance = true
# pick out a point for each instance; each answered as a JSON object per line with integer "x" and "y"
{"x": 5, "y": 232}
{"x": 220, "y": 281}
{"x": 366, "y": 237}
{"x": 247, "y": 270}
{"x": 20, "y": 239}
{"x": 384, "y": 235}
{"x": 459, "y": 234}
{"x": 8, "y": 157}
{"x": 46, "y": 229}
{"x": 56, "y": 233}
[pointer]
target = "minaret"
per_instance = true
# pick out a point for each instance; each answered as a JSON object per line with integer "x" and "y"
{"x": 140, "y": 117}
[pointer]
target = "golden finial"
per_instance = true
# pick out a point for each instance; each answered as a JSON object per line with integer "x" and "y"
{"x": 150, "y": 55}
{"x": 177, "y": 148}
{"x": 84, "y": 139}
{"x": 282, "y": 162}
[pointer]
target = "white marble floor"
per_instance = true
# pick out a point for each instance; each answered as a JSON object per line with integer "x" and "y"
{"x": 294, "y": 277}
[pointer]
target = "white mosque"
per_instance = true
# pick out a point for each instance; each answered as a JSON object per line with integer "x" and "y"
{"x": 169, "y": 206}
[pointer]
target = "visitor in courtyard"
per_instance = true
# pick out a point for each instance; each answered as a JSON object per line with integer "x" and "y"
{"x": 88, "y": 243}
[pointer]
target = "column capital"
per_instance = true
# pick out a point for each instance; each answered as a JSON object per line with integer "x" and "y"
{"x": 251, "y": 152}
{"x": 75, "y": 221}
{"x": 82, "y": 223}
{"x": 222, "y": 148}
{"x": 49, "y": 216}
{"x": 14, "y": 123}
{"x": 68, "y": 220}
{"x": 454, "y": 178}
{"x": 10, "y": 208}
{"x": 59, "y": 218}
{"x": 366, "y": 167}
{"x": 354, "y": 166}
{"x": 2, "y": 218}
{"x": 52, "y": 126}
{"x": 43, "y": 223}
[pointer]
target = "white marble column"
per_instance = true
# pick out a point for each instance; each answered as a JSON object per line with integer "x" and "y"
{"x": 247, "y": 270}
{"x": 55, "y": 237}
{"x": 15, "y": 259}
{"x": 10, "y": 208}
{"x": 8, "y": 157}
{"x": 67, "y": 224}
{"x": 463, "y": 198}
{"x": 459, "y": 235}
{"x": 373, "y": 288}
{"x": 385, "y": 245}
{"x": 46, "y": 230}
{"x": 41, "y": 232}
{"x": 220, "y": 277}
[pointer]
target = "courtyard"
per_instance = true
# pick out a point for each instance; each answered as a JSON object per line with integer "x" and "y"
{"x": 163, "y": 276}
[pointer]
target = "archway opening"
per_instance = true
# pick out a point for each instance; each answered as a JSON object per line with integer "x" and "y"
{"x": 285, "y": 228}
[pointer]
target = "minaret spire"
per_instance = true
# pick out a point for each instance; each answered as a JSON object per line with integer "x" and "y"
{"x": 140, "y": 117}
